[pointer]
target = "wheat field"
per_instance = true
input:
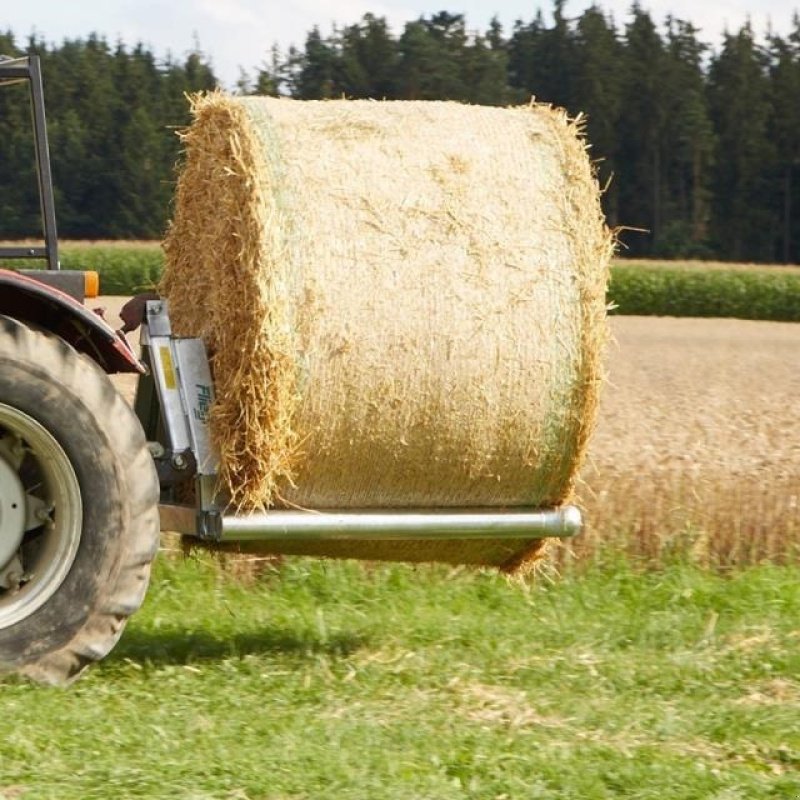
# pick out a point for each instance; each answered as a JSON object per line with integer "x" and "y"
{"x": 696, "y": 451}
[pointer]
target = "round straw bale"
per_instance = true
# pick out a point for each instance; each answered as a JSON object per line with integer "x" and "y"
{"x": 404, "y": 301}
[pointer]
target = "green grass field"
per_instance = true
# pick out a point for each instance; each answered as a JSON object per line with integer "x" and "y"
{"x": 332, "y": 680}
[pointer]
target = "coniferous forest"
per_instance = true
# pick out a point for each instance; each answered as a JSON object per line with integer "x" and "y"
{"x": 698, "y": 147}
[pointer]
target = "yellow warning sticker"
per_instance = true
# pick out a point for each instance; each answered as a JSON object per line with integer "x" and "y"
{"x": 170, "y": 381}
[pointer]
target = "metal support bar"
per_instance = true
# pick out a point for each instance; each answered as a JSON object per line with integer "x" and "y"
{"x": 46, "y": 198}
{"x": 16, "y": 70}
{"x": 23, "y": 252}
{"x": 381, "y": 525}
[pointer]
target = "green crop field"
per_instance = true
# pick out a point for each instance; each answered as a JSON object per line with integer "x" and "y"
{"x": 648, "y": 288}
{"x": 695, "y": 290}
{"x": 320, "y": 680}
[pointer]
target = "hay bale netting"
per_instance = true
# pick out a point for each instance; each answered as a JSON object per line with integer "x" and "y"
{"x": 404, "y": 301}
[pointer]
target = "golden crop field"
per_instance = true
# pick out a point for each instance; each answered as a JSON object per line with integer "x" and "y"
{"x": 697, "y": 447}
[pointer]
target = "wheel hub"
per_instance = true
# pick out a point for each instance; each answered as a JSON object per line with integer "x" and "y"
{"x": 41, "y": 515}
{"x": 13, "y": 515}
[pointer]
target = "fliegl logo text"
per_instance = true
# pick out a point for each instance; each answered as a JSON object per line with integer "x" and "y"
{"x": 202, "y": 403}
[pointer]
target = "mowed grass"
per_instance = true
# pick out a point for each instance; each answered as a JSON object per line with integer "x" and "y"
{"x": 335, "y": 680}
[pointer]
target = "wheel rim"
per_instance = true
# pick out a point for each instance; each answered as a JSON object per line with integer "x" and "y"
{"x": 39, "y": 545}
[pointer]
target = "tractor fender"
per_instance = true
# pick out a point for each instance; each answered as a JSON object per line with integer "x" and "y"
{"x": 30, "y": 301}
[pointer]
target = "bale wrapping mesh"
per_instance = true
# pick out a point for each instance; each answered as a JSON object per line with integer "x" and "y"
{"x": 404, "y": 304}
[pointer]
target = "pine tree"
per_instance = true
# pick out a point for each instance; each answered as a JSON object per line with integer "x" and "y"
{"x": 542, "y": 60}
{"x": 314, "y": 75}
{"x": 742, "y": 220}
{"x": 198, "y": 74}
{"x": 784, "y": 132}
{"x": 640, "y": 167}
{"x": 431, "y": 58}
{"x": 597, "y": 92}
{"x": 687, "y": 145}
{"x": 484, "y": 73}
{"x": 271, "y": 76}
{"x": 92, "y": 94}
{"x": 367, "y": 59}
{"x": 523, "y": 48}
{"x": 556, "y": 61}
{"x": 140, "y": 137}
{"x": 351, "y": 77}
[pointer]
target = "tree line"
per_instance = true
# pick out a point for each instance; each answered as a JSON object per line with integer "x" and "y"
{"x": 698, "y": 148}
{"x": 111, "y": 119}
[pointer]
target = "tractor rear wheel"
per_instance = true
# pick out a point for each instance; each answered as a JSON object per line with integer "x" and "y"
{"x": 78, "y": 508}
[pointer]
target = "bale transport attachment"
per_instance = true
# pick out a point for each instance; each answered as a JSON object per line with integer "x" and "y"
{"x": 173, "y": 403}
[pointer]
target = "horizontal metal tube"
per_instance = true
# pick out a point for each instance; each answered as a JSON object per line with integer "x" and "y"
{"x": 23, "y": 252}
{"x": 399, "y": 525}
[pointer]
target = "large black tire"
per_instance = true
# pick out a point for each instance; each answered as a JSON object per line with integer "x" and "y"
{"x": 109, "y": 541}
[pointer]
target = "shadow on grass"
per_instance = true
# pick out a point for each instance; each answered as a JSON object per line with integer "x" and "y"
{"x": 178, "y": 646}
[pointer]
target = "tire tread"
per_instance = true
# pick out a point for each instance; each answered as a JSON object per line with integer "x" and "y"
{"x": 105, "y": 622}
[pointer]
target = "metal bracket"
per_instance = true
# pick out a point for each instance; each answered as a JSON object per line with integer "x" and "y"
{"x": 182, "y": 378}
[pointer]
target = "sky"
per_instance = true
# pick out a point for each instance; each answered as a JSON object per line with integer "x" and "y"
{"x": 240, "y": 33}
